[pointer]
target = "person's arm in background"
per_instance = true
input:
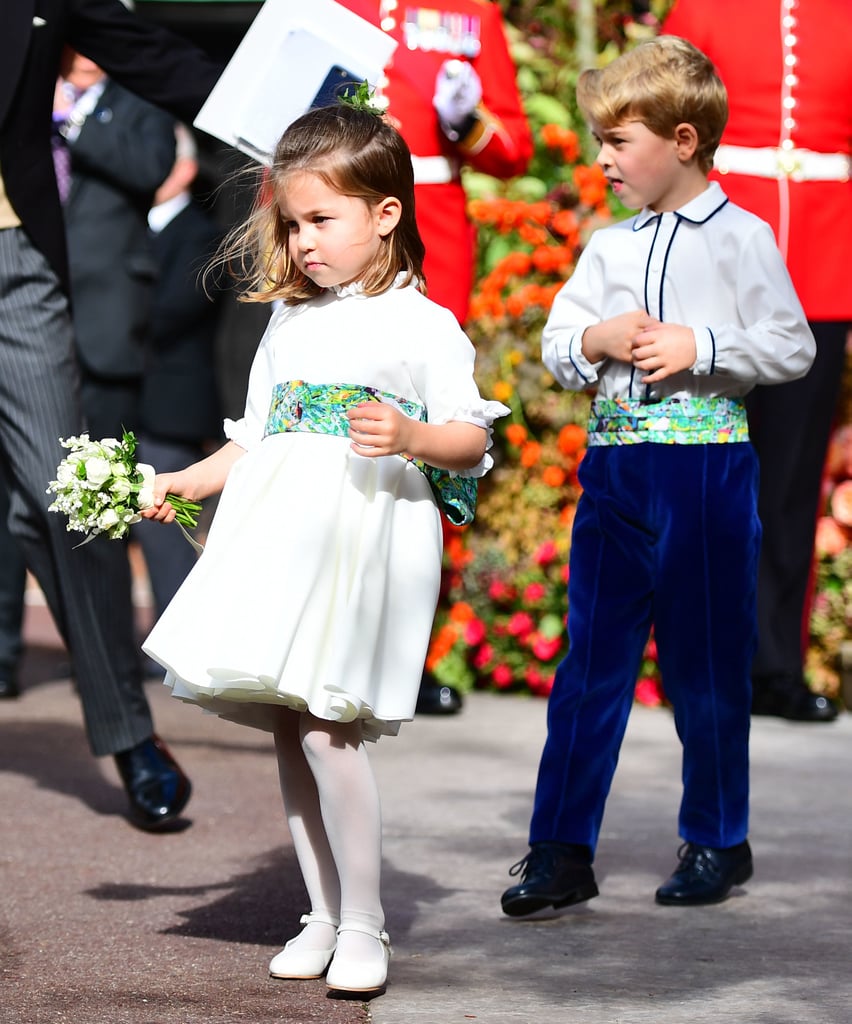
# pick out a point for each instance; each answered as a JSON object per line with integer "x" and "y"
{"x": 481, "y": 113}
{"x": 154, "y": 63}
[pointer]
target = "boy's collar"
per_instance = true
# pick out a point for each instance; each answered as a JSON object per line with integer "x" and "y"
{"x": 697, "y": 210}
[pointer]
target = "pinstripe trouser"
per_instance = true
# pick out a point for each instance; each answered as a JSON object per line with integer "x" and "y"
{"x": 88, "y": 589}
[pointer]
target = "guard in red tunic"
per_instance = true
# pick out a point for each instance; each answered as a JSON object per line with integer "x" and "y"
{"x": 785, "y": 155}
{"x": 451, "y": 91}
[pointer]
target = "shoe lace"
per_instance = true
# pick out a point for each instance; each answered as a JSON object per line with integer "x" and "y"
{"x": 694, "y": 859}
{"x": 535, "y": 859}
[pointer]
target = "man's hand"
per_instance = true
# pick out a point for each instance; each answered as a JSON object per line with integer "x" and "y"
{"x": 663, "y": 350}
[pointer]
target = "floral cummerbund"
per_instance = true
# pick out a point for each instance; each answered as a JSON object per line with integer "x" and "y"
{"x": 621, "y": 421}
{"x": 321, "y": 409}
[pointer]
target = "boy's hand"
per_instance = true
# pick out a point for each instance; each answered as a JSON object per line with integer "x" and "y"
{"x": 615, "y": 338}
{"x": 663, "y": 350}
{"x": 376, "y": 428}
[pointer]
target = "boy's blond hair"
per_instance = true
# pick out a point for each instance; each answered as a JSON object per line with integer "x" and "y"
{"x": 663, "y": 82}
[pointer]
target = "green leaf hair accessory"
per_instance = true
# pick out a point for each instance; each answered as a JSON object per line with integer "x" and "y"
{"x": 363, "y": 98}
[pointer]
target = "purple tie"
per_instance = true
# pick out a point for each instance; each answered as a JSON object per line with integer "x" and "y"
{"x": 61, "y": 159}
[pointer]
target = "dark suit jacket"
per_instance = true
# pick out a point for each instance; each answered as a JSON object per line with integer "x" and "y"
{"x": 125, "y": 149}
{"x": 145, "y": 58}
{"x": 180, "y": 400}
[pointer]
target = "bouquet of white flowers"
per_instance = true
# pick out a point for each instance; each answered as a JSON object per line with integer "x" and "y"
{"x": 102, "y": 489}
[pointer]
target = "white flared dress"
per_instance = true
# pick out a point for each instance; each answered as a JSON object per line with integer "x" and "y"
{"x": 319, "y": 580}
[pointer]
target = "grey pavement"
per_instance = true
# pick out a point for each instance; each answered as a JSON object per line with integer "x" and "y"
{"x": 101, "y": 923}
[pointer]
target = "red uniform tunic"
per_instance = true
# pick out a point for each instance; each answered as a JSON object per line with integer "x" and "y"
{"x": 469, "y": 30}
{"x": 787, "y": 66}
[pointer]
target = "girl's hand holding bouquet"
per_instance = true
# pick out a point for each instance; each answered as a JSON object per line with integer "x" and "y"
{"x": 102, "y": 489}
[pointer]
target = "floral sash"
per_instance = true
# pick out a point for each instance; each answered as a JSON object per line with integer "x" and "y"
{"x": 321, "y": 409}
{"x": 620, "y": 421}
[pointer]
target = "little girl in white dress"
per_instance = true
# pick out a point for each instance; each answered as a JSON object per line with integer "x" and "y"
{"x": 309, "y": 612}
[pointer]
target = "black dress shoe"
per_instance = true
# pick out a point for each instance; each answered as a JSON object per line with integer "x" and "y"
{"x": 790, "y": 697}
{"x": 706, "y": 875}
{"x": 157, "y": 788}
{"x": 8, "y": 687}
{"x": 436, "y": 699}
{"x": 552, "y": 875}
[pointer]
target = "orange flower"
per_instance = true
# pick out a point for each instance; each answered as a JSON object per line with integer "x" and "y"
{"x": 530, "y": 454}
{"x": 550, "y": 259}
{"x": 516, "y": 434}
{"x": 441, "y": 645}
{"x": 565, "y": 223}
{"x": 461, "y": 611}
{"x": 540, "y": 212}
{"x": 502, "y": 391}
{"x": 516, "y": 264}
{"x": 591, "y": 184}
{"x": 552, "y": 135}
{"x": 571, "y": 439}
{"x": 553, "y": 476}
{"x": 458, "y": 556}
{"x": 532, "y": 234}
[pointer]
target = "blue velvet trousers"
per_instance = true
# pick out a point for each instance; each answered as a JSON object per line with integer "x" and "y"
{"x": 664, "y": 535}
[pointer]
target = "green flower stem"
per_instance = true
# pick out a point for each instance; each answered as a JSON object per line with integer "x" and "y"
{"x": 186, "y": 511}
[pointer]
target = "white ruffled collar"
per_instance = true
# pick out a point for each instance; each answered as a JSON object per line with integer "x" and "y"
{"x": 342, "y": 290}
{"x": 356, "y": 288}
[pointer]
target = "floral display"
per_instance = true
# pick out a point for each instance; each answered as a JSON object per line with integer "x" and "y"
{"x": 831, "y": 609}
{"x": 102, "y": 489}
{"x": 501, "y": 620}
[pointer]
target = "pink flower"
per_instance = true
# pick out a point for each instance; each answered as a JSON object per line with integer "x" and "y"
{"x": 534, "y": 592}
{"x": 649, "y": 693}
{"x": 502, "y": 676}
{"x": 841, "y": 503}
{"x": 474, "y": 632}
{"x": 540, "y": 685}
{"x": 546, "y": 554}
{"x": 483, "y": 656}
{"x": 520, "y": 624}
{"x": 500, "y": 591}
{"x": 545, "y": 648}
{"x": 830, "y": 538}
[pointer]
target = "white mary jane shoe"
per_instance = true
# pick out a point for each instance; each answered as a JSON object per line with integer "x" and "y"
{"x": 347, "y": 974}
{"x": 303, "y": 963}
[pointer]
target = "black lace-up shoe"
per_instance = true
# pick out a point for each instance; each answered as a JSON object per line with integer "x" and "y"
{"x": 706, "y": 875}
{"x": 552, "y": 875}
{"x": 790, "y": 697}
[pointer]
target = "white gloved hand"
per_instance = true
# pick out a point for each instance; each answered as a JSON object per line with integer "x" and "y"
{"x": 458, "y": 90}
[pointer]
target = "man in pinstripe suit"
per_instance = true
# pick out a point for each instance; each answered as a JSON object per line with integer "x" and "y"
{"x": 88, "y": 590}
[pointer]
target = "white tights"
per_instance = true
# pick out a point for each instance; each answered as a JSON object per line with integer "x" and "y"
{"x": 332, "y": 806}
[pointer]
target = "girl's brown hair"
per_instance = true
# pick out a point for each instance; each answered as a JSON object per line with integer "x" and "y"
{"x": 357, "y": 153}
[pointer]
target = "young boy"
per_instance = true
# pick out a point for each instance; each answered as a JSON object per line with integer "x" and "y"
{"x": 672, "y": 317}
